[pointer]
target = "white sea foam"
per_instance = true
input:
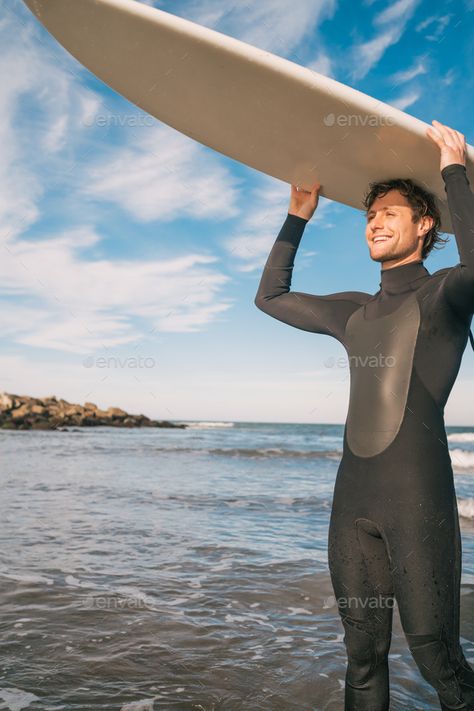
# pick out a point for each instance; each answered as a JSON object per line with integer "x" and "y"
{"x": 17, "y": 699}
{"x": 462, "y": 459}
{"x": 199, "y": 424}
{"x": 461, "y": 437}
{"x": 144, "y": 705}
{"x": 466, "y": 508}
{"x": 27, "y": 578}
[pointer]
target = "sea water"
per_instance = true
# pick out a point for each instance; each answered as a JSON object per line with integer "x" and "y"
{"x": 176, "y": 569}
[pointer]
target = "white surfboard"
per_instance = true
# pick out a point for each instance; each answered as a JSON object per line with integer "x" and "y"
{"x": 253, "y": 106}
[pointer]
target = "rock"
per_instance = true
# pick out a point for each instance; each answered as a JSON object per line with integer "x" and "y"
{"x": 73, "y": 410}
{"x": 6, "y": 402}
{"x": 116, "y": 412}
{"x": 37, "y": 409}
{"x": 102, "y": 413}
{"x": 49, "y": 413}
{"x": 20, "y": 411}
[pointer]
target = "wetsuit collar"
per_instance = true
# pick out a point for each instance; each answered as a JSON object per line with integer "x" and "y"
{"x": 400, "y": 278}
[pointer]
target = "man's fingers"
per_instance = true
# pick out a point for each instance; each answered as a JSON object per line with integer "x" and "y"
{"x": 299, "y": 189}
{"x": 449, "y": 133}
{"x": 445, "y": 136}
{"x": 443, "y": 131}
{"x": 435, "y": 136}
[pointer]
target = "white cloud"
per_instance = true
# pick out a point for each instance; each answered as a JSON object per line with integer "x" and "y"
{"x": 274, "y": 25}
{"x": 82, "y": 305}
{"x": 64, "y": 299}
{"x": 164, "y": 176}
{"x": 406, "y": 100}
{"x": 322, "y": 64}
{"x": 39, "y": 103}
{"x": 406, "y": 75}
{"x": 448, "y": 79}
{"x": 56, "y": 136}
{"x": 367, "y": 54}
{"x": 400, "y": 10}
{"x": 440, "y": 23}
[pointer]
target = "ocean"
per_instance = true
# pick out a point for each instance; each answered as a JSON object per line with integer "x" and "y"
{"x": 185, "y": 570}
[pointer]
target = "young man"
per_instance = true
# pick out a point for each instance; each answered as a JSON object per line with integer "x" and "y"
{"x": 394, "y": 529}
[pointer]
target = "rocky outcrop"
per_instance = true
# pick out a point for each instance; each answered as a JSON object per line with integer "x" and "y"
{"x": 20, "y": 412}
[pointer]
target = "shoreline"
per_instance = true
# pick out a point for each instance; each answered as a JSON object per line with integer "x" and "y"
{"x": 22, "y": 412}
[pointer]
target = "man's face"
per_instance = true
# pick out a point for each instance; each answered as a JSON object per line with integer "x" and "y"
{"x": 390, "y": 218}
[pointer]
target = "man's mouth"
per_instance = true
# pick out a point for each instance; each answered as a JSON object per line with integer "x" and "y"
{"x": 381, "y": 238}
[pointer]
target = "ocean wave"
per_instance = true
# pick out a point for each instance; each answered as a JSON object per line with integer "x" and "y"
{"x": 462, "y": 459}
{"x": 255, "y": 502}
{"x": 198, "y": 424}
{"x": 268, "y": 452}
{"x": 466, "y": 508}
{"x": 262, "y": 452}
{"x": 461, "y": 437}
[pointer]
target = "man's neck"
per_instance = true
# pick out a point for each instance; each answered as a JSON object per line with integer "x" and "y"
{"x": 399, "y": 278}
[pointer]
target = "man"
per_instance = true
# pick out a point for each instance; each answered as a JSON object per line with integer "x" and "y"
{"x": 394, "y": 529}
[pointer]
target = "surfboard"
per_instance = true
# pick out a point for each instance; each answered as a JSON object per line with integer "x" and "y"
{"x": 253, "y": 106}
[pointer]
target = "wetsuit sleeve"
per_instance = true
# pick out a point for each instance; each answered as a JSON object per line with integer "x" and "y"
{"x": 459, "y": 283}
{"x": 325, "y": 314}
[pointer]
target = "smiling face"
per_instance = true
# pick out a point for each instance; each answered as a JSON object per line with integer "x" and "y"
{"x": 392, "y": 236}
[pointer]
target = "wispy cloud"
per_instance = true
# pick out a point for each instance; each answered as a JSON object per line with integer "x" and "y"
{"x": 274, "y": 25}
{"x": 163, "y": 176}
{"x": 438, "y": 24}
{"x": 82, "y": 304}
{"x": 322, "y": 64}
{"x": 32, "y": 138}
{"x": 406, "y": 100}
{"x": 399, "y": 11}
{"x": 405, "y": 75}
{"x": 367, "y": 54}
{"x": 53, "y": 293}
{"x": 448, "y": 79}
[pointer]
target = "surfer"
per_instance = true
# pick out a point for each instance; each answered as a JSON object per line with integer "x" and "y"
{"x": 394, "y": 528}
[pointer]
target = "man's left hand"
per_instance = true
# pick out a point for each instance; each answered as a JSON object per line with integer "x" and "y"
{"x": 451, "y": 143}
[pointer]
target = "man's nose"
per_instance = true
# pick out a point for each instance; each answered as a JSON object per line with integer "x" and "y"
{"x": 377, "y": 225}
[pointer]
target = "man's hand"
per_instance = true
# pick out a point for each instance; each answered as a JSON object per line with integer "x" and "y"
{"x": 451, "y": 143}
{"x": 303, "y": 203}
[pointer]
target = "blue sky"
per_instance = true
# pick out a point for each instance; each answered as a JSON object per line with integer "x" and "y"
{"x": 125, "y": 276}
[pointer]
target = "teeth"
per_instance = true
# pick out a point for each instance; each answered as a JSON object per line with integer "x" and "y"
{"x": 381, "y": 239}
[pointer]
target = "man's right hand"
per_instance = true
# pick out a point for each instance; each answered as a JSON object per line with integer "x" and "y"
{"x": 303, "y": 203}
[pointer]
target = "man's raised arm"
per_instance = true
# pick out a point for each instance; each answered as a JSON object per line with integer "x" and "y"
{"x": 325, "y": 314}
{"x": 459, "y": 283}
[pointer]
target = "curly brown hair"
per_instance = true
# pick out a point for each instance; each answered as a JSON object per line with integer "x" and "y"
{"x": 421, "y": 202}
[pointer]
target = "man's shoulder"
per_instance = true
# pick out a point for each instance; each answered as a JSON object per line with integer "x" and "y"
{"x": 441, "y": 278}
{"x": 443, "y": 272}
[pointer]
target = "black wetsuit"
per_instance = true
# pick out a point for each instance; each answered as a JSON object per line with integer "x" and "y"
{"x": 394, "y": 528}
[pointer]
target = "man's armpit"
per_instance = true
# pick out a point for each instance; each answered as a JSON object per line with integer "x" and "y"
{"x": 458, "y": 291}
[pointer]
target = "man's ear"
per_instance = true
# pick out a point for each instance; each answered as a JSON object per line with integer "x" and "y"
{"x": 427, "y": 224}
